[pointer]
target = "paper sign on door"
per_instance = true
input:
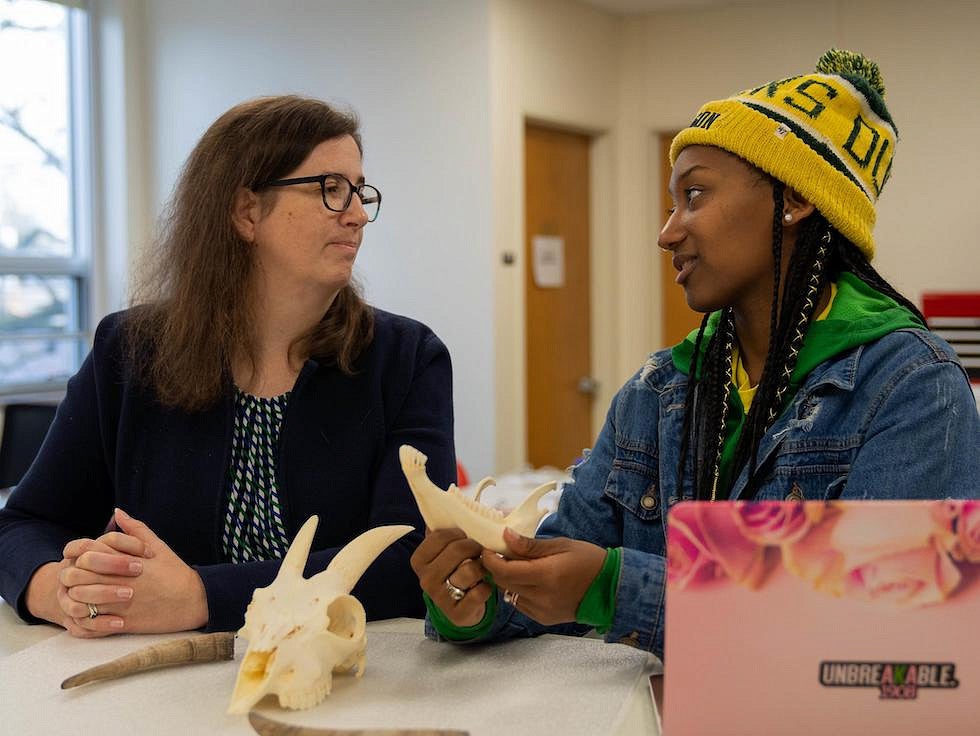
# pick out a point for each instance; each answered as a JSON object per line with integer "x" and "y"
{"x": 548, "y": 256}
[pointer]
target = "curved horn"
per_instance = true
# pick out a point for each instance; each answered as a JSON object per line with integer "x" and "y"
{"x": 425, "y": 491}
{"x": 295, "y": 560}
{"x": 347, "y": 566}
{"x": 268, "y": 727}
{"x": 205, "y": 648}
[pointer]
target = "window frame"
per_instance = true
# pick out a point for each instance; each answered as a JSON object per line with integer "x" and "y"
{"x": 78, "y": 267}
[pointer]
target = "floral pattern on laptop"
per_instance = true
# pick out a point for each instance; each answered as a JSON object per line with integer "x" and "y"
{"x": 910, "y": 555}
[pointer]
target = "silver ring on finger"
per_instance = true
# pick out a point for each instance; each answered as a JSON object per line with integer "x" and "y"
{"x": 511, "y": 598}
{"x": 455, "y": 593}
{"x": 93, "y": 610}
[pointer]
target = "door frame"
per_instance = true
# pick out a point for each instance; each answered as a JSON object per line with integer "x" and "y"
{"x": 559, "y": 342}
{"x": 509, "y": 305}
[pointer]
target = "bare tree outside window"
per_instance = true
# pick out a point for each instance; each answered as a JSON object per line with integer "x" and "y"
{"x": 44, "y": 270}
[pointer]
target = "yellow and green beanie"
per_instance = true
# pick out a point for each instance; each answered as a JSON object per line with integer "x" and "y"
{"x": 827, "y": 135}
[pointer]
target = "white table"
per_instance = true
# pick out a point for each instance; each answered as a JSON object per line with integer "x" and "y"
{"x": 16, "y": 635}
{"x": 540, "y": 686}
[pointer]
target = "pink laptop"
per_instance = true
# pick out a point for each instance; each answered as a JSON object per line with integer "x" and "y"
{"x": 829, "y": 618}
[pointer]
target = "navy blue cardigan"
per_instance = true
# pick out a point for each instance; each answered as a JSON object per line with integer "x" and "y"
{"x": 111, "y": 444}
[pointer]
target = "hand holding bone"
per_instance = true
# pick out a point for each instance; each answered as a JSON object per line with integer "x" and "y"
{"x": 549, "y": 576}
{"x": 448, "y": 555}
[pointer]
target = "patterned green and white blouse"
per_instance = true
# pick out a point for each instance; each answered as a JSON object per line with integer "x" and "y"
{"x": 253, "y": 528}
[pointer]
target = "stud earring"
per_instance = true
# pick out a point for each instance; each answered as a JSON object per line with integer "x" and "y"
{"x": 788, "y": 217}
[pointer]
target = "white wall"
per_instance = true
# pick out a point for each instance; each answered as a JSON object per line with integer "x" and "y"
{"x": 417, "y": 73}
{"x": 554, "y": 62}
{"x": 928, "y": 217}
{"x": 444, "y": 87}
{"x": 627, "y": 79}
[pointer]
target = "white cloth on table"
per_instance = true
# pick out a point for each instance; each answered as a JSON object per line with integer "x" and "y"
{"x": 549, "y": 685}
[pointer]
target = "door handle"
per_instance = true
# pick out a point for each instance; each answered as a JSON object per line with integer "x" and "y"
{"x": 588, "y": 385}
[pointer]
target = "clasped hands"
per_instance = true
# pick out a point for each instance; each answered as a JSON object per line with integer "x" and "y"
{"x": 545, "y": 578}
{"x": 126, "y": 581}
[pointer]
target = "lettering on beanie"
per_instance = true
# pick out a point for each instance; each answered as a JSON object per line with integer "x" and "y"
{"x": 705, "y": 119}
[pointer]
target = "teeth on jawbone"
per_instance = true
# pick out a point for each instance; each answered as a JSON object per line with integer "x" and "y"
{"x": 449, "y": 509}
{"x": 487, "y": 511}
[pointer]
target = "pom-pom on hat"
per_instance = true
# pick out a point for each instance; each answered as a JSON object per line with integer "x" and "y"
{"x": 827, "y": 135}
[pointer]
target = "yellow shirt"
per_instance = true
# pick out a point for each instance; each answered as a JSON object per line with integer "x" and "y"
{"x": 740, "y": 377}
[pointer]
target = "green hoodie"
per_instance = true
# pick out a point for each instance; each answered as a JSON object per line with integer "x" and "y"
{"x": 858, "y": 315}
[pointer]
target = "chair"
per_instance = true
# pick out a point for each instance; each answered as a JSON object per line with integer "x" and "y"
{"x": 24, "y": 429}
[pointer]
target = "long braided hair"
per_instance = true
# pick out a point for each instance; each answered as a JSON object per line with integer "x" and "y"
{"x": 821, "y": 254}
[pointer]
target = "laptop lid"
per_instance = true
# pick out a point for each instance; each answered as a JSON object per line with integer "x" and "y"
{"x": 842, "y": 617}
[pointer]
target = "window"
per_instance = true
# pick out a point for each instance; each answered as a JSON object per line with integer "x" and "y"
{"x": 45, "y": 262}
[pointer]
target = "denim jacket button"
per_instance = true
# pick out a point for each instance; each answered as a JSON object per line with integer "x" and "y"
{"x": 631, "y": 640}
{"x": 795, "y": 493}
{"x": 649, "y": 502}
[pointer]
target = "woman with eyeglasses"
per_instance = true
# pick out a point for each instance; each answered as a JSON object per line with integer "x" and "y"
{"x": 251, "y": 388}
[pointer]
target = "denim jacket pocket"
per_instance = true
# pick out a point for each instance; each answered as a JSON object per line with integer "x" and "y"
{"x": 808, "y": 472}
{"x": 632, "y": 484}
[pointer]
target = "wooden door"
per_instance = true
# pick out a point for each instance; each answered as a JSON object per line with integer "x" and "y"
{"x": 557, "y": 318}
{"x": 678, "y": 319}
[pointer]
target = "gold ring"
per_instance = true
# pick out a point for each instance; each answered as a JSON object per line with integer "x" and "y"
{"x": 92, "y": 610}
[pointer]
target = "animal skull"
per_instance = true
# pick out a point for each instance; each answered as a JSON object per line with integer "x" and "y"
{"x": 300, "y": 631}
{"x": 445, "y": 510}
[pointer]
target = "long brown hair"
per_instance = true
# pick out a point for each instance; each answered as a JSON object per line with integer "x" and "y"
{"x": 194, "y": 312}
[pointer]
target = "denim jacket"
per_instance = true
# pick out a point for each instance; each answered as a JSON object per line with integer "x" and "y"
{"x": 894, "y": 418}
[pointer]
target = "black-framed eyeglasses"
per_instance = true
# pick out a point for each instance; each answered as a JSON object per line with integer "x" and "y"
{"x": 337, "y": 191}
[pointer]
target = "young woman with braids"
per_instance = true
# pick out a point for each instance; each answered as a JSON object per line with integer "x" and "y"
{"x": 251, "y": 388}
{"x": 809, "y": 378}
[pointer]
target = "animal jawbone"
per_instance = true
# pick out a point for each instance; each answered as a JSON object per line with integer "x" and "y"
{"x": 444, "y": 510}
